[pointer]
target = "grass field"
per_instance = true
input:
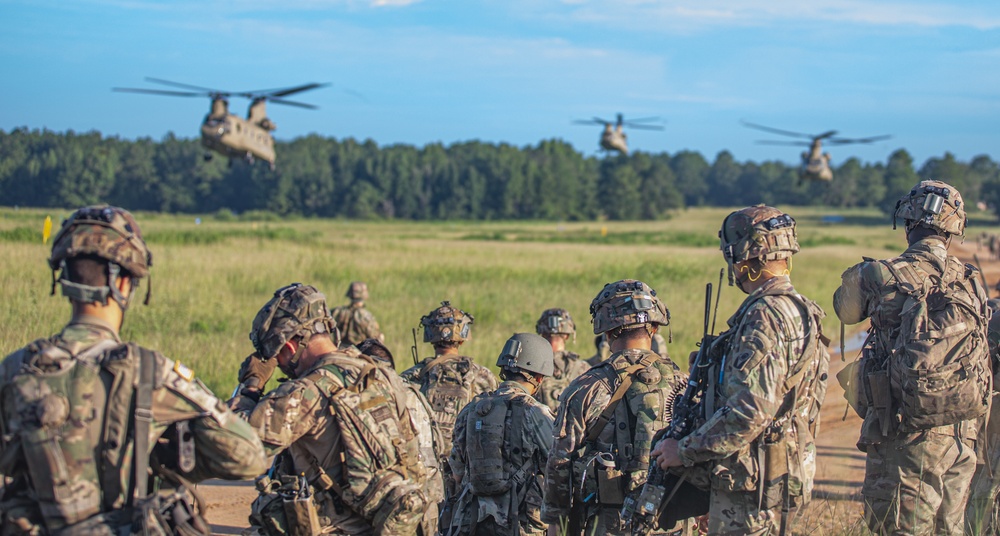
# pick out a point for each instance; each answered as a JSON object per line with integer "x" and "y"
{"x": 210, "y": 279}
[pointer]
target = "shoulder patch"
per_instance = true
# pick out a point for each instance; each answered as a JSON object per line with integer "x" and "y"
{"x": 183, "y": 371}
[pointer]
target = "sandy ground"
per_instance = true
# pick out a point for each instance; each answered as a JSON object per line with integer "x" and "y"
{"x": 835, "y": 509}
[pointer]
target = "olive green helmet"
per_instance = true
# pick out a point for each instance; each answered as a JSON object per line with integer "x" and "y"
{"x": 555, "y": 321}
{"x": 527, "y": 352}
{"x": 296, "y": 311}
{"x": 446, "y": 324}
{"x": 627, "y": 304}
{"x": 936, "y": 204}
{"x": 357, "y": 291}
{"x": 104, "y": 231}
{"x": 757, "y": 232}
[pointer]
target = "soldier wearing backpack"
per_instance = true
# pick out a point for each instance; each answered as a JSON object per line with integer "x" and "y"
{"x": 609, "y": 414}
{"x": 76, "y": 406}
{"x": 556, "y": 326}
{"x": 502, "y": 441}
{"x": 767, "y": 380}
{"x": 349, "y": 454}
{"x": 354, "y": 321}
{"x": 449, "y": 380}
{"x": 923, "y": 380}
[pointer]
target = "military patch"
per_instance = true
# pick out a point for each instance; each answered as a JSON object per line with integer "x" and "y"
{"x": 642, "y": 317}
{"x": 742, "y": 358}
{"x": 183, "y": 371}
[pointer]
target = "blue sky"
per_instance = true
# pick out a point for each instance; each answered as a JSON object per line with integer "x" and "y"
{"x": 519, "y": 71}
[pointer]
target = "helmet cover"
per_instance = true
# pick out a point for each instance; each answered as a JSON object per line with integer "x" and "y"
{"x": 527, "y": 352}
{"x": 446, "y": 324}
{"x": 758, "y": 232}
{"x": 555, "y": 321}
{"x": 357, "y": 291}
{"x": 108, "y": 232}
{"x": 627, "y": 304}
{"x": 935, "y": 204}
{"x": 295, "y": 311}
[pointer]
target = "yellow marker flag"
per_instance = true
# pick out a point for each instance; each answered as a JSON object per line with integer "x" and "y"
{"x": 604, "y": 230}
{"x": 46, "y": 229}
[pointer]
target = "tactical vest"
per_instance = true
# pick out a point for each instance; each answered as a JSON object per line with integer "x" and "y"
{"x": 552, "y": 386}
{"x": 381, "y": 474}
{"x": 352, "y": 323}
{"x": 447, "y": 381}
{"x": 498, "y": 457}
{"x": 60, "y": 403}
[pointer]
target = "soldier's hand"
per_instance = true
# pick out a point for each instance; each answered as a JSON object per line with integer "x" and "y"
{"x": 254, "y": 372}
{"x": 667, "y": 454}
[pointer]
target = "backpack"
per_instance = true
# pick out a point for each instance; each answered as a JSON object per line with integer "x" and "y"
{"x": 490, "y": 447}
{"x": 939, "y": 370}
{"x": 447, "y": 384}
{"x": 382, "y": 477}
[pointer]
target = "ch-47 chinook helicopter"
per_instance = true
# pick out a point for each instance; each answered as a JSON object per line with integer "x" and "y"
{"x": 815, "y": 163}
{"x": 228, "y": 134}
{"x": 613, "y": 137}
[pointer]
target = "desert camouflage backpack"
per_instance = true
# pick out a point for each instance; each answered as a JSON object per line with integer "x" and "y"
{"x": 499, "y": 458}
{"x": 382, "y": 477}
{"x": 939, "y": 370}
{"x": 448, "y": 385}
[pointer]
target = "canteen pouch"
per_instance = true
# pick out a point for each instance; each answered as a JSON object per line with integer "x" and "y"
{"x": 851, "y": 378}
{"x": 610, "y": 481}
{"x": 773, "y": 474}
{"x": 301, "y": 514}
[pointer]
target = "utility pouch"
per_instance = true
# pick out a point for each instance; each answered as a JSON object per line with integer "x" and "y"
{"x": 610, "y": 481}
{"x": 302, "y": 516}
{"x": 851, "y": 378}
{"x": 585, "y": 478}
{"x": 774, "y": 473}
{"x": 878, "y": 383}
{"x": 163, "y": 515}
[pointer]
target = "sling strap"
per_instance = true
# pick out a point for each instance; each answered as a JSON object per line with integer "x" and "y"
{"x": 143, "y": 422}
{"x": 644, "y": 362}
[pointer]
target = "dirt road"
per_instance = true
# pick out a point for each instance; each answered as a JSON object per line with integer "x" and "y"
{"x": 836, "y": 505}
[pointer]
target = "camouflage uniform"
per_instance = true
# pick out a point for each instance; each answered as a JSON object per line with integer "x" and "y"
{"x": 981, "y": 512}
{"x": 603, "y": 351}
{"x": 356, "y": 323}
{"x": 608, "y": 453}
{"x": 766, "y": 341}
{"x": 567, "y": 367}
{"x": 66, "y": 408}
{"x": 916, "y": 480}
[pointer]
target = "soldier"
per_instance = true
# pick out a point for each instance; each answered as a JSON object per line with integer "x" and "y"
{"x": 983, "y": 509}
{"x": 768, "y": 381}
{"x": 603, "y": 351}
{"x": 922, "y": 390}
{"x": 556, "y": 326}
{"x": 608, "y": 415}
{"x": 349, "y": 459}
{"x": 66, "y": 453}
{"x": 502, "y": 442}
{"x": 354, "y": 321}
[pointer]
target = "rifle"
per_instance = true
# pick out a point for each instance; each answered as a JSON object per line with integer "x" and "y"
{"x": 413, "y": 349}
{"x": 640, "y": 513}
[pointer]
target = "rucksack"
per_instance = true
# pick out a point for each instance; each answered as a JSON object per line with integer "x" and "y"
{"x": 447, "y": 384}
{"x": 490, "y": 446}
{"x": 939, "y": 371}
{"x": 381, "y": 478}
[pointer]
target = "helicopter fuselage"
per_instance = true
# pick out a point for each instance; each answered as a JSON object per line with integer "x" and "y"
{"x": 614, "y": 139}
{"x": 816, "y": 163}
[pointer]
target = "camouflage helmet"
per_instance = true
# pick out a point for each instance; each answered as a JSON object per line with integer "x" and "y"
{"x": 935, "y": 204}
{"x": 527, "y": 352}
{"x": 446, "y": 324}
{"x": 627, "y": 304}
{"x": 295, "y": 311}
{"x": 757, "y": 232}
{"x": 555, "y": 321}
{"x": 357, "y": 291}
{"x": 104, "y": 231}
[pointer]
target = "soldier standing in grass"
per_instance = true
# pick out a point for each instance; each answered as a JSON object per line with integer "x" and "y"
{"x": 502, "y": 441}
{"x": 556, "y": 326}
{"x": 608, "y": 415}
{"x": 768, "y": 380}
{"x": 354, "y": 321}
{"x": 923, "y": 381}
{"x": 348, "y": 454}
{"x": 76, "y": 406}
{"x": 982, "y": 512}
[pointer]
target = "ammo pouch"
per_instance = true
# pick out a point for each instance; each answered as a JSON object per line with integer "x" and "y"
{"x": 774, "y": 474}
{"x": 169, "y": 514}
{"x": 610, "y": 481}
{"x": 301, "y": 515}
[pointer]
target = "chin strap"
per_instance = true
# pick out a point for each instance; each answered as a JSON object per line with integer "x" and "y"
{"x": 91, "y": 294}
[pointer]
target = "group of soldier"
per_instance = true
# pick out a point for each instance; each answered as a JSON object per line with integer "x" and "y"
{"x": 102, "y": 436}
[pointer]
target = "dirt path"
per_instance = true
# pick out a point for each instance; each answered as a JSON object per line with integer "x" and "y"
{"x": 835, "y": 508}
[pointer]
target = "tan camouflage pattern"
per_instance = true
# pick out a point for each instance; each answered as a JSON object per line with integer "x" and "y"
{"x": 603, "y": 351}
{"x": 648, "y": 401}
{"x": 567, "y": 367}
{"x": 357, "y": 291}
{"x": 356, "y": 324}
{"x": 564, "y": 324}
{"x": 627, "y": 303}
{"x": 745, "y": 235}
{"x": 108, "y": 232}
{"x": 767, "y": 337}
{"x": 294, "y": 311}
{"x": 982, "y": 507}
{"x": 894, "y": 467}
{"x": 518, "y": 510}
{"x": 951, "y": 219}
{"x": 225, "y": 446}
{"x": 447, "y": 324}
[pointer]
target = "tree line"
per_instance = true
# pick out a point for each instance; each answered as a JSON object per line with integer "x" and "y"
{"x": 327, "y": 177}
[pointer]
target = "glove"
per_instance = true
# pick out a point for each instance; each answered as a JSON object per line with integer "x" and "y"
{"x": 254, "y": 372}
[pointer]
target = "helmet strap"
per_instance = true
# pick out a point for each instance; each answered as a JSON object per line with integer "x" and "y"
{"x": 114, "y": 271}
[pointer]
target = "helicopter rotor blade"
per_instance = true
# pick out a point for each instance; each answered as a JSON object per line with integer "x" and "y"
{"x": 160, "y": 92}
{"x": 292, "y": 103}
{"x": 587, "y": 122}
{"x": 825, "y": 135}
{"x": 845, "y": 141}
{"x": 775, "y": 130}
{"x": 643, "y": 119}
{"x": 643, "y": 127}
{"x": 186, "y": 86}
{"x": 280, "y": 92}
{"x": 602, "y": 121}
{"x": 782, "y": 142}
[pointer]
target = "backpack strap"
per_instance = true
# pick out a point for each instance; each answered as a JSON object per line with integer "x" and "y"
{"x": 143, "y": 421}
{"x": 616, "y": 397}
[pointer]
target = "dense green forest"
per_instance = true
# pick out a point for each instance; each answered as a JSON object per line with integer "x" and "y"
{"x": 326, "y": 177}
